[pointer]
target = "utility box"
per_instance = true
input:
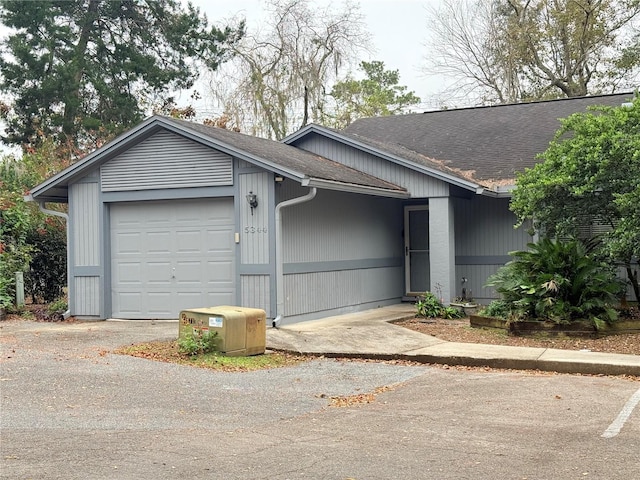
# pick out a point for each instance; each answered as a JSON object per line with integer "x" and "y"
{"x": 242, "y": 331}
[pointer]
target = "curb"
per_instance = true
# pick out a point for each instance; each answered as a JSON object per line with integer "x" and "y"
{"x": 569, "y": 367}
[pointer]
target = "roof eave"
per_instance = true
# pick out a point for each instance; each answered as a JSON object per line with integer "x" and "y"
{"x": 354, "y": 188}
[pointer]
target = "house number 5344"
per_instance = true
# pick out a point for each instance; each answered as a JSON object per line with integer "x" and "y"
{"x": 255, "y": 229}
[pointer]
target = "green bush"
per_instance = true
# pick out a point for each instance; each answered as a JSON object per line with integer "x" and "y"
{"x": 497, "y": 309}
{"x": 47, "y": 274}
{"x": 429, "y": 306}
{"x": 198, "y": 342}
{"x": 559, "y": 282}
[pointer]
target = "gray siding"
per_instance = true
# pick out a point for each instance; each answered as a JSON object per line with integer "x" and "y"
{"x": 166, "y": 160}
{"x": 341, "y": 251}
{"x": 86, "y": 217}
{"x": 86, "y": 266}
{"x": 255, "y": 292}
{"x": 337, "y": 291}
{"x": 484, "y": 236}
{"x": 418, "y": 184}
{"x": 254, "y": 231}
{"x": 86, "y": 296}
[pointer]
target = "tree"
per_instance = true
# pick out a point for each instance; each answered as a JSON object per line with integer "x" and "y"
{"x": 276, "y": 82}
{"x": 506, "y": 51}
{"x": 590, "y": 175}
{"x": 71, "y": 66}
{"x": 377, "y": 95}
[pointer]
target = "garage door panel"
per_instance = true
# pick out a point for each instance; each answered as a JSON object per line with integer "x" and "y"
{"x": 184, "y": 253}
{"x": 128, "y": 243}
{"x": 128, "y": 302}
{"x": 190, "y": 241}
{"x": 129, "y": 273}
{"x": 219, "y": 272}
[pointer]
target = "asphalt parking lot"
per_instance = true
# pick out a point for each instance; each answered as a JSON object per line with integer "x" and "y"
{"x": 72, "y": 410}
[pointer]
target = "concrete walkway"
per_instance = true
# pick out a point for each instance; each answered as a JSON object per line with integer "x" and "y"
{"x": 369, "y": 334}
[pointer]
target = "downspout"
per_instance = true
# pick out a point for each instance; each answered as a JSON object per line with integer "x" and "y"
{"x": 279, "y": 261}
{"x": 46, "y": 211}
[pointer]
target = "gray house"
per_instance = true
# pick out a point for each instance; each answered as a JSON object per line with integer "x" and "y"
{"x": 174, "y": 214}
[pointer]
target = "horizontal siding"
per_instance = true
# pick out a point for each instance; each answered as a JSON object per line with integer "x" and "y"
{"x": 86, "y": 293}
{"x": 85, "y": 221}
{"x": 419, "y": 185}
{"x": 255, "y": 292}
{"x": 316, "y": 292}
{"x": 166, "y": 160}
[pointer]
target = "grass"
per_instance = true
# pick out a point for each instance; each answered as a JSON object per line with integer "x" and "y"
{"x": 168, "y": 352}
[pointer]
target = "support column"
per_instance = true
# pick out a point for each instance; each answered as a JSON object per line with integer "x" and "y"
{"x": 442, "y": 248}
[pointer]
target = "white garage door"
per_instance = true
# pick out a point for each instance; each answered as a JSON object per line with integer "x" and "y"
{"x": 171, "y": 255}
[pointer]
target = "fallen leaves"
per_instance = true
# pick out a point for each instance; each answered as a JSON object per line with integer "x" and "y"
{"x": 357, "y": 399}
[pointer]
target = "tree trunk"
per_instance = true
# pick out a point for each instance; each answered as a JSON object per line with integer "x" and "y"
{"x": 632, "y": 275}
{"x": 73, "y": 98}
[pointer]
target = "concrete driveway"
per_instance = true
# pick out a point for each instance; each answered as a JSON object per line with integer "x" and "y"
{"x": 72, "y": 410}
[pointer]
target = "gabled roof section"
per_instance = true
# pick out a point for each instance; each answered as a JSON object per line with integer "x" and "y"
{"x": 487, "y": 145}
{"x": 394, "y": 153}
{"x": 305, "y": 167}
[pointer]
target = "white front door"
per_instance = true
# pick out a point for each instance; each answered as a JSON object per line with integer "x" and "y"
{"x": 416, "y": 249}
{"x": 167, "y": 256}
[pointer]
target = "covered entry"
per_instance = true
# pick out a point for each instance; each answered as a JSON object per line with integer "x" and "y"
{"x": 170, "y": 255}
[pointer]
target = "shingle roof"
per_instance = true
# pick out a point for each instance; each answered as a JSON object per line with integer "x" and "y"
{"x": 485, "y": 144}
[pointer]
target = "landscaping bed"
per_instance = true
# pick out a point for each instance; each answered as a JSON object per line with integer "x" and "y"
{"x": 460, "y": 330}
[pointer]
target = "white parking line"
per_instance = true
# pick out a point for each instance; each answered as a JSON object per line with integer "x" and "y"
{"x": 625, "y": 413}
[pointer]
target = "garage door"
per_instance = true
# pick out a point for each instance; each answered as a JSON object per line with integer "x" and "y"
{"x": 168, "y": 256}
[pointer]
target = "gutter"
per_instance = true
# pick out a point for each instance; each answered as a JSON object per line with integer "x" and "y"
{"x": 279, "y": 260}
{"x": 46, "y": 211}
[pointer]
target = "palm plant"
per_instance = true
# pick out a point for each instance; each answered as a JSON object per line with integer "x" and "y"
{"x": 560, "y": 282}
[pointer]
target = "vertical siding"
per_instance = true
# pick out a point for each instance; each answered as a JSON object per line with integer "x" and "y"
{"x": 85, "y": 218}
{"x": 255, "y": 292}
{"x": 316, "y": 292}
{"x": 341, "y": 226}
{"x": 418, "y": 184}
{"x": 86, "y": 295}
{"x": 85, "y": 223}
{"x": 254, "y": 231}
{"x": 350, "y": 247}
{"x": 484, "y": 237}
{"x": 166, "y": 160}
{"x": 484, "y": 226}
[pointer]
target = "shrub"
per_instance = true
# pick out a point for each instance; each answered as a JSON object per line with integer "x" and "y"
{"x": 497, "y": 309}
{"x": 429, "y": 306}
{"x": 198, "y": 342}
{"x": 47, "y": 275}
{"x": 559, "y": 282}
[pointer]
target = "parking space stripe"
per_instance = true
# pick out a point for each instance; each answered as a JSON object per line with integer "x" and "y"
{"x": 623, "y": 416}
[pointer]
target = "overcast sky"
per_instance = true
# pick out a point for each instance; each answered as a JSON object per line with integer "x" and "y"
{"x": 398, "y": 29}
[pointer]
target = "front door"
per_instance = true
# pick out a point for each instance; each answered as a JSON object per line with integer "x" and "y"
{"x": 416, "y": 249}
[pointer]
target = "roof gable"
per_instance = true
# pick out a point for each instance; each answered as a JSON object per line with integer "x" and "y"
{"x": 286, "y": 160}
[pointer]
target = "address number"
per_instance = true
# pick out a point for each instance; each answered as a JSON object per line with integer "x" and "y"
{"x": 255, "y": 229}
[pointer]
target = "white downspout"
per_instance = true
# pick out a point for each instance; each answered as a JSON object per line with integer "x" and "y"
{"x": 279, "y": 260}
{"x": 66, "y": 314}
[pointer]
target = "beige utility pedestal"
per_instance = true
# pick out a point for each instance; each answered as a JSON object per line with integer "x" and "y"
{"x": 242, "y": 331}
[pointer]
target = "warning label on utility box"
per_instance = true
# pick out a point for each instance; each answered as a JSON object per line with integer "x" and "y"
{"x": 215, "y": 322}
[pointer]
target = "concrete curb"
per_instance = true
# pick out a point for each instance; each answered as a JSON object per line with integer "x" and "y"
{"x": 558, "y": 366}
